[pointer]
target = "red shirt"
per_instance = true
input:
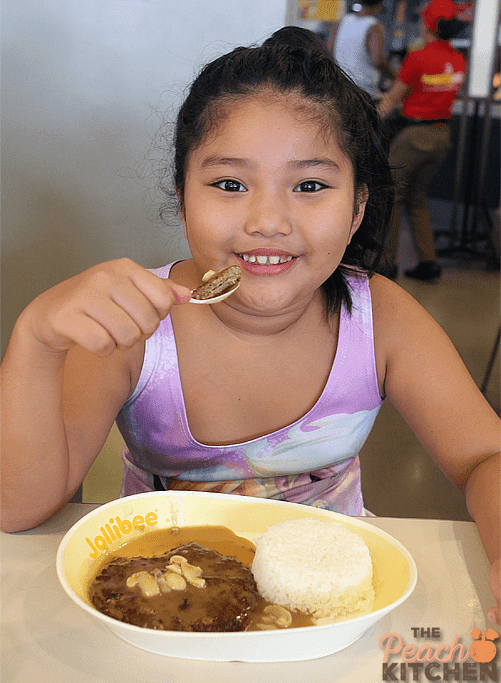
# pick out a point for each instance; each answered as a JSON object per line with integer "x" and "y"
{"x": 434, "y": 76}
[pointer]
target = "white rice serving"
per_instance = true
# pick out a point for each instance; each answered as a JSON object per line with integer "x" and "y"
{"x": 321, "y": 568}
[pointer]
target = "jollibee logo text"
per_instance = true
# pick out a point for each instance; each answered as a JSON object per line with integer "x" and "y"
{"x": 116, "y": 528}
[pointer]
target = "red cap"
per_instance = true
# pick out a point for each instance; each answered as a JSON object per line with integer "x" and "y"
{"x": 438, "y": 9}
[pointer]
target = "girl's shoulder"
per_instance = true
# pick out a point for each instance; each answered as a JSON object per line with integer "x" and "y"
{"x": 394, "y": 310}
{"x": 401, "y": 326}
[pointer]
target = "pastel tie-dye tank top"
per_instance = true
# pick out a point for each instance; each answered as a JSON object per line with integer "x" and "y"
{"x": 313, "y": 461}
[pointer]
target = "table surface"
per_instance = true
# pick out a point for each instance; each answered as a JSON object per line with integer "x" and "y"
{"x": 47, "y": 638}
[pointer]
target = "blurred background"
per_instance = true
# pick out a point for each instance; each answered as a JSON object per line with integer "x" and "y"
{"x": 86, "y": 86}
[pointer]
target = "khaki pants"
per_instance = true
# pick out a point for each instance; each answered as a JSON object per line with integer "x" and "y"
{"x": 416, "y": 155}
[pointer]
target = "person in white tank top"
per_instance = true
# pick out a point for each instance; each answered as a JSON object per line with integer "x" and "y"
{"x": 357, "y": 44}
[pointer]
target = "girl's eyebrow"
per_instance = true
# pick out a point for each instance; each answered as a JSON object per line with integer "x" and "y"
{"x": 322, "y": 161}
{"x": 215, "y": 160}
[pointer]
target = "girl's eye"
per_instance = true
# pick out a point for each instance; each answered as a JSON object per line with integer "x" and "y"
{"x": 230, "y": 186}
{"x": 309, "y": 186}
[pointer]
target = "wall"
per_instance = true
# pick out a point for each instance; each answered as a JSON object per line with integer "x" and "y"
{"x": 85, "y": 87}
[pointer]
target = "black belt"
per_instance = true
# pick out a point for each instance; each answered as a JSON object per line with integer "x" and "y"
{"x": 161, "y": 483}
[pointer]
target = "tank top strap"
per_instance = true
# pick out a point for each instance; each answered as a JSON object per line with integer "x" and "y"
{"x": 355, "y": 358}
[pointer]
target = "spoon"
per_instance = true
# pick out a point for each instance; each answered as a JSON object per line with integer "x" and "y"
{"x": 215, "y": 299}
{"x": 228, "y": 276}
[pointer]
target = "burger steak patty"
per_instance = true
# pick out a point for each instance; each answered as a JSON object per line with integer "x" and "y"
{"x": 218, "y": 284}
{"x": 225, "y": 602}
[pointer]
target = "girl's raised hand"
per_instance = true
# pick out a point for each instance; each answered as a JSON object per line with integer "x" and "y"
{"x": 112, "y": 305}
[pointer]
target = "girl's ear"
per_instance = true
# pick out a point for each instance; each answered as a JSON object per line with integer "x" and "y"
{"x": 182, "y": 212}
{"x": 359, "y": 209}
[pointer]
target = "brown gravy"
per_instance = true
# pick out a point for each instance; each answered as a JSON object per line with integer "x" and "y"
{"x": 218, "y": 538}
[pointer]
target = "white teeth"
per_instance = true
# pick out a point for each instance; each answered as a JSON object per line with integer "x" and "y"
{"x": 266, "y": 260}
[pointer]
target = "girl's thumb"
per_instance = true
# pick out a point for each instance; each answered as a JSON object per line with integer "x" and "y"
{"x": 181, "y": 294}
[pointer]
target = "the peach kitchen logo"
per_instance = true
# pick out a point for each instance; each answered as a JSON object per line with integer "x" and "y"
{"x": 423, "y": 660}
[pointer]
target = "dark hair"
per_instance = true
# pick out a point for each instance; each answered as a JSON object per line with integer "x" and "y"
{"x": 449, "y": 28}
{"x": 295, "y": 60}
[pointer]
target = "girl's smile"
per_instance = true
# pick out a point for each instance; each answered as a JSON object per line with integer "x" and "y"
{"x": 269, "y": 189}
{"x": 266, "y": 261}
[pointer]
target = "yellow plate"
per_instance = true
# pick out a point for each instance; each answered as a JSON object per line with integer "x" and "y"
{"x": 107, "y": 528}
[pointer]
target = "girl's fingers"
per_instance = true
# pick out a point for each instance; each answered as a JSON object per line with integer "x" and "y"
{"x": 112, "y": 305}
{"x": 182, "y": 294}
{"x": 494, "y": 615}
{"x": 162, "y": 293}
{"x": 139, "y": 307}
{"x": 95, "y": 338}
{"x": 146, "y": 300}
{"x": 118, "y": 323}
{"x": 85, "y": 331}
{"x": 97, "y": 323}
{"x": 128, "y": 310}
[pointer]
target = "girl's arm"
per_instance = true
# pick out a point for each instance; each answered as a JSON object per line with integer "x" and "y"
{"x": 426, "y": 380}
{"x": 482, "y": 496}
{"x": 74, "y": 356}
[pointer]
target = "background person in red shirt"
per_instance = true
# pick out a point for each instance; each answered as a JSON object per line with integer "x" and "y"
{"x": 427, "y": 84}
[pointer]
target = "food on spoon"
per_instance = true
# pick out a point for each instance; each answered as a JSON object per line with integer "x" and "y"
{"x": 217, "y": 283}
{"x": 189, "y": 588}
{"x": 321, "y": 568}
{"x": 208, "y": 275}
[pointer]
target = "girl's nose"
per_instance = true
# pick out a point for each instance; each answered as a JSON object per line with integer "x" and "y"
{"x": 268, "y": 215}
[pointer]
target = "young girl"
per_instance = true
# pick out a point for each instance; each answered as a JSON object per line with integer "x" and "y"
{"x": 279, "y": 168}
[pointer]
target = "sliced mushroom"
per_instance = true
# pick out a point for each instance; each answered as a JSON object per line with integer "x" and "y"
{"x": 172, "y": 581}
{"x": 276, "y": 616}
{"x": 191, "y": 573}
{"x": 146, "y": 583}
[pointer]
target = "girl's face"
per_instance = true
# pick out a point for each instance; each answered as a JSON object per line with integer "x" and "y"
{"x": 270, "y": 191}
